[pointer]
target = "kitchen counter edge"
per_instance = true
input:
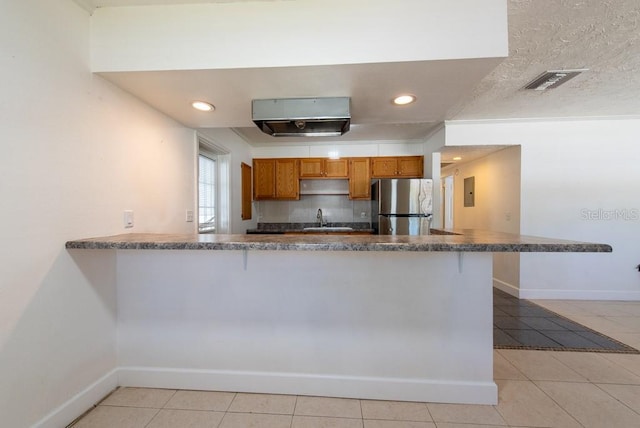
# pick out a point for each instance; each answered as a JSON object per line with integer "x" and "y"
{"x": 464, "y": 241}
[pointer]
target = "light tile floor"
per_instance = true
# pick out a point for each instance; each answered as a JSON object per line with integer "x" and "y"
{"x": 536, "y": 389}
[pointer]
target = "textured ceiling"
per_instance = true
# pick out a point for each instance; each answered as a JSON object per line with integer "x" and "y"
{"x": 603, "y": 36}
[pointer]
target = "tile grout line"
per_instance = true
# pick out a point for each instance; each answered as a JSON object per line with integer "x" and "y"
{"x": 568, "y": 368}
{"x": 153, "y": 417}
{"x": 512, "y": 365}
{"x": 616, "y": 398}
{"x": 430, "y": 415}
{"x": 295, "y": 403}
{"x": 634, "y": 374}
{"x": 558, "y": 404}
{"x": 546, "y": 395}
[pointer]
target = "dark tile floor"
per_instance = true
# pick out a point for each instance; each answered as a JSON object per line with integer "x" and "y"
{"x": 521, "y": 324}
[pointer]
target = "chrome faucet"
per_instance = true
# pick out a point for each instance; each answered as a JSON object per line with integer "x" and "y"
{"x": 319, "y": 217}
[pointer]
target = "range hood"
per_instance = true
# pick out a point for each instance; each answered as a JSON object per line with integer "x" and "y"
{"x": 302, "y": 117}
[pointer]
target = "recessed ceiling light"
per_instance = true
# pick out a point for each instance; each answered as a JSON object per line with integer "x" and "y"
{"x": 404, "y": 100}
{"x": 202, "y": 106}
{"x": 457, "y": 158}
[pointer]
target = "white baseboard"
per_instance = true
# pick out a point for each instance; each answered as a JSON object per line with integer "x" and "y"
{"x": 81, "y": 402}
{"x": 319, "y": 385}
{"x": 441, "y": 391}
{"x": 540, "y": 294}
{"x": 506, "y": 287}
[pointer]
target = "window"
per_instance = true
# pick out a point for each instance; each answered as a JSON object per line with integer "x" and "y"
{"x": 213, "y": 187}
{"x": 206, "y": 194}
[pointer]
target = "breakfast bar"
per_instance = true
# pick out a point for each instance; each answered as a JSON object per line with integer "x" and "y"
{"x": 378, "y": 317}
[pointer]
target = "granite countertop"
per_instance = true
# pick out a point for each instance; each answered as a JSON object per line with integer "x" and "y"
{"x": 463, "y": 240}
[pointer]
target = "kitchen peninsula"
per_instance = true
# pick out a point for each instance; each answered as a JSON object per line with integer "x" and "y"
{"x": 379, "y": 317}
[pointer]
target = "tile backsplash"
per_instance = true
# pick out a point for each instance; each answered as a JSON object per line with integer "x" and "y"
{"x": 335, "y": 209}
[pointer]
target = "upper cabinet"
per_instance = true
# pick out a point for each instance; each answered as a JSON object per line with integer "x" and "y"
{"x": 324, "y": 168}
{"x": 279, "y": 178}
{"x": 264, "y": 179}
{"x": 287, "y": 179}
{"x": 276, "y": 179}
{"x": 359, "y": 178}
{"x": 397, "y": 167}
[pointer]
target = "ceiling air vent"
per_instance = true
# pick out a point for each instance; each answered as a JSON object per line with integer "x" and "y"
{"x": 302, "y": 117}
{"x": 553, "y": 78}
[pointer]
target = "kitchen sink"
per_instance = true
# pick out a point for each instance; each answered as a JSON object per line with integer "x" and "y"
{"x": 327, "y": 229}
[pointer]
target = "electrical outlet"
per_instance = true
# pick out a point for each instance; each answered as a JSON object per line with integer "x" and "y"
{"x": 189, "y": 216}
{"x": 128, "y": 219}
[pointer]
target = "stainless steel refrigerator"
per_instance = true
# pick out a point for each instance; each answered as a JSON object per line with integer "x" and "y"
{"x": 401, "y": 206}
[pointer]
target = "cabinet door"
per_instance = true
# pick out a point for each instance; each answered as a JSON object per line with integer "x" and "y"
{"x": 245, "y": 211}
{"x": 324, "y": 168}
{"x": 264, "y": 179}
{"x": 411, "y": 166}
{"x": 336, "y": 168}
{"x": 359, "y": 178}
{"x": 384, "y": 167}
{"x": 287, "y": 179}
{"x": 311, "y": 168}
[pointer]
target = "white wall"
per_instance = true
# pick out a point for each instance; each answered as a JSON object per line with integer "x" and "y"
{"x": 497, "y": 205}
{"x": 340, "y": 324}
{"x": 341, "y": 149}
{"x": 432, "y": 160}
{"x": 187, "y": 37}
{"x": 574, "y": 173}
{"x": 74, "y": 153}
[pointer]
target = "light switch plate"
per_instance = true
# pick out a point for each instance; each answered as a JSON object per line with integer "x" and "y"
{"x": 128, "y": 219}
{"x": 189, "y": 216}
{"x": 469, "y": 191}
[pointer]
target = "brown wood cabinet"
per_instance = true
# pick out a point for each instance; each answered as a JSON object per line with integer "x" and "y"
{"x": 411, "y": 166}
{"x": 276, "y": 179}
{"x": 324, "y": 168}
{"x": 359, "y": 178}
{"x": 279, "y": 178}
{"x": 397, "y": 167}
{"x": 264, "y": 179}
{"x": 245, "y": 213}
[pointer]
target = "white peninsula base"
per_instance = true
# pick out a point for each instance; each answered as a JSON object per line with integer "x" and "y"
{"x": 394, "y": 325}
